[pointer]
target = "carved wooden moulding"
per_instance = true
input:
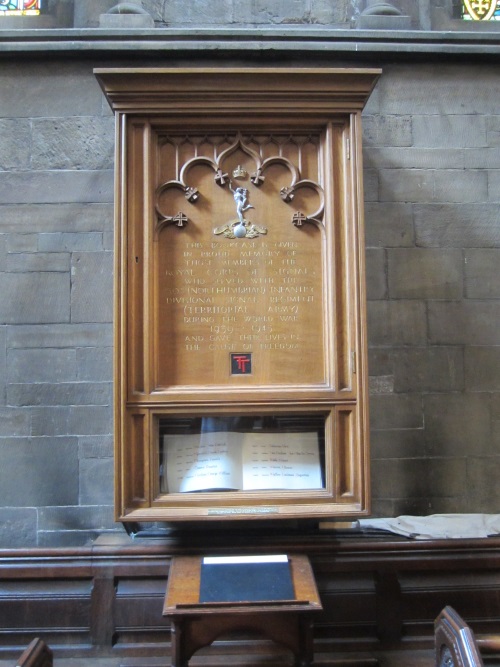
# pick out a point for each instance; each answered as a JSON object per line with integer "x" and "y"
{"x": 241, "y": 377}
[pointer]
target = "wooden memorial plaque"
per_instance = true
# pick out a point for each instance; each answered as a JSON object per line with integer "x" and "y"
{"x": 241, "y": 298}
{"x": 241, "y": 380}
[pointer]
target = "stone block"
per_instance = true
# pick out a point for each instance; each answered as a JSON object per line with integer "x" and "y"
{"x": 383, "y": 22}
{"x": 373, "y": 104}
{"x": 26, "y": 262}
{"x": 396, "y": 323}
{"x": 482, "y": 277}
{"x": 376, "y": 278}
{"x": 430, "y": 185}
{"x": 54, "y": 187}
{"x": 208, "y": 12}
{"x": 394, "y": 157}
{"x": 411, "y": 506}
{"x": 429, "y": 369}
{"x": 380, "y": 361}
{"x": 327, "y": 13}
{"x": 87, "y": 517}
{"x": 48, "y": 90}
{"x": 481, "y": 158}
{"x": 95, "y": 446}
{"x": 3, "y": 252}
{"x": 57, "y": 218}
{"x": 95, "y": 364}
{"x": 449, "y": 505}
{"x": 92, "y": 287}
{"x": 494, "y": 185}
{"x": 18, "y": 527}
{"x": 39, "y": 471}
{"x": 449, "y": 131}
{"x": 70, "y": 242}
{"x": 495, "y": 407}
{"x": 383, "y": 507}
{"x": 370, "y": 184}
{"x": 447, "y": 477}
{"x": 396, "y": 411}
{"x": 464, "y": 322}
{"x": 14, "y": 422}
{"x": 73, "y": 143}
{"x": 381, "y": 384}
{"x": 425, "y": 273}
{"x": 495, "y": 434}
{"x": 108, "y": 241}
{"x": 454, "y": 89}
{"x": 100, "y": 418}
{"x": 126, "y": 22}
{"x": 21, "y": 243}
{"x": 62, "y": 393}
{"x": 96, "y": 481}
{"x": 388, "y": 225}
{"x": 483, "y": 488}
{"x": 387, "y": 131}
{"x": 14, "y": 144}
{"x": 418, "y": 11}
{"x": 493, "y": 131}
{"x": 67, "y": 335}
{"x": 41, "y": 365}
{"x": 86, "y": 14}
{"x": 457, "y": 424}
{"x": 402, "y": 443}
{"x": 34, "y": 298}
{"x": 482, "y": 365}
{"x": 3, "y": 363}
{"x": 452, "y": 185}
{"x": 71, "y": 420}
{"x": 459, "y": 226}
{"x": 400, "y": 478}
{"x": 277, "y": 12}
{"x": 406, "y": 185}
{"x": 56, "y": 539}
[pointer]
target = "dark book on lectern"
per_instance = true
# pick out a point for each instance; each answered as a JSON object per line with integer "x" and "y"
{"x": 249, "y": 579}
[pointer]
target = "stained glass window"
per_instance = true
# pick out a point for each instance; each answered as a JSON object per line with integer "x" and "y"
{"x": 481, "y": 10}
{"x": 20, "y": 7}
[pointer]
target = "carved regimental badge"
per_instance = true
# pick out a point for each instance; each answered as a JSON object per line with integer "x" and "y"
{"x": 240, "y": 228}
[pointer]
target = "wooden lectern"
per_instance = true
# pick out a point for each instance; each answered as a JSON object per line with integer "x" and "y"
{"x": 197, "y": 624}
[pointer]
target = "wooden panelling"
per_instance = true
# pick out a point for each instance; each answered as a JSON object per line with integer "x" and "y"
{"x": 377, "y": 593}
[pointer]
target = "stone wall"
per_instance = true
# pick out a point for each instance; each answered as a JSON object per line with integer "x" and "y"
{"x": 432, "y": 190}
{"x": 432, "y": 170}
{"x": 56, "y": 263}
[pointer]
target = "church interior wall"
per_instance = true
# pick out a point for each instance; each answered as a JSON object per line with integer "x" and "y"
{"x": 432, "y": 184}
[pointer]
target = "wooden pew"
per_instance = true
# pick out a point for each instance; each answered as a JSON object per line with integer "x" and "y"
{"x": 36, "y": 654}
{"x": 456, "y": 645}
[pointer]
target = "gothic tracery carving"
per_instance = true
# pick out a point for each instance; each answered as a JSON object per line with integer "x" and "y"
{"x": 243, "y": 227}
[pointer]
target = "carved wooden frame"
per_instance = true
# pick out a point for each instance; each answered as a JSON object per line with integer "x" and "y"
{"x": 326, "y": 101}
